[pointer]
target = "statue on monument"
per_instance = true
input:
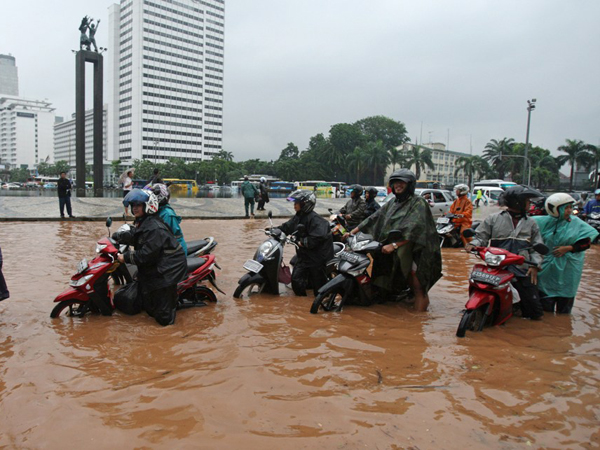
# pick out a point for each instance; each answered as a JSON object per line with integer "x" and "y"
{"x": 87, "y": 26}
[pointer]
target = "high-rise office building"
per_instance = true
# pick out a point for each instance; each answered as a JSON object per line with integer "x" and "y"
{"x": 165, "y": 79}
{"x": 26, "y": 132}
{"x": 9, "y": 76}
{"x": 64, "y": 139}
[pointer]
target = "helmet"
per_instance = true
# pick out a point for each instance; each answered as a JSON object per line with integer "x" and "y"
{"x": 138, "y": 197}
{"x": 597, "y": 192}
{"x": 514, "y": 197}
{"x": 402, "y": 175}
{"x": 162, "y": 193}
{"x": 409, "y": 178}
{"x": 263, "y": 180}
{"x": 372, "y": 191}
{"x": 557, "y": 200}
{"x": 306, "y": 199}
{"x": 462, "y": 189}
{"x": 356, "y": 188}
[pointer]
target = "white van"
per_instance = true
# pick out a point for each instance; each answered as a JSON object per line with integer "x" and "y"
{"x": 493, "y": 183}
{"x": 491, "y": 194}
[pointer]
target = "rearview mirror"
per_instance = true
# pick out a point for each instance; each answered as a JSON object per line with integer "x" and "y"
{"x": 108, "y": 222}
{"x": 270, "y": 214}
{"x": 469, "y": 233}
{"x": 541, "y": 249}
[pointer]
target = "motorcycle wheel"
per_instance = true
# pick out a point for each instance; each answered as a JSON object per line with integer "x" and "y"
{"x": 472, "y": 320}
{"x": 71, "y": 308}
{"x": 247, "y": 290}
{"x": 204, "y": 293}
{"x": 328, "y": 301}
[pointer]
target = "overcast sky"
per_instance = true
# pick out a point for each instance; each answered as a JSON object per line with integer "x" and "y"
{"x": 294, "y": 68}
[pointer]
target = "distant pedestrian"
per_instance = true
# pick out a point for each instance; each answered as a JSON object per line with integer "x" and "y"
{"x": 478, "y": 198}
{"x": 249, "y": 192}
{"x": 156, "y": 178}
{"x": 64, "y": 195}
{"x": 4, "y": 294}
{"x": 127, "y": 187}
{"x": 264, "y": 194}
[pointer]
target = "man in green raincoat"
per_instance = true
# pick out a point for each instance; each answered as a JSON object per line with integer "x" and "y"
{"x": 416, "y": 260}
{"x": 567, "y": 237}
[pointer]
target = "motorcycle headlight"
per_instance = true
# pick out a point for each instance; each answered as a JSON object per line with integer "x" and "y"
{"x": 493, "y": 260}
{"x": 81, "y": 281}
{"x": 100, "y": 247}
{"x": 265, "y": 248}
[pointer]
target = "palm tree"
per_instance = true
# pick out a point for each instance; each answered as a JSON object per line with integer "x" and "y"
{"x": 495, "y": 150}
{"x": 355, "y": 161}
{"x": 471, "y": 165}
{"x": 577, "y": 152}
{"x": 377, "y": 157}
{"x": 396, "y": 157}
{"x": 420, "y": 158}
{"x": 224, "y": 155}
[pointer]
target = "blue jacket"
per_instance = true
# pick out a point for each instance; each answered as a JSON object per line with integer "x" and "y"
{"x": 172, "y": 220}
{"x": 593, "y": 206}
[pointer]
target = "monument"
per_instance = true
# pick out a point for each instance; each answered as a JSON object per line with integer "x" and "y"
{"x": 85, "y": 54}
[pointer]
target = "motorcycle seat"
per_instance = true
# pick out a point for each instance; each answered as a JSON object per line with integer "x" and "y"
{"x": 194, "y": 263}
{"x": 194, "y": 246}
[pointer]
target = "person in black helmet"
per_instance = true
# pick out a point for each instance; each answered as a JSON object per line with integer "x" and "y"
{"x": 512, "y": 230}
{"x": 415, "y": 260}
{"x": 354, "y": 210}
{"x": 371, "y": 201}
{"x": 314, "y": 240}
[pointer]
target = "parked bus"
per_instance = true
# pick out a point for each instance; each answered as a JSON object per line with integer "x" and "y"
{"x": 321, "y": 188}
{"x": 182, "y": 187}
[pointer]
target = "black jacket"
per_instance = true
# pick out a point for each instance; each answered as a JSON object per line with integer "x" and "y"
{"x": 264, "y": 192}
{"x": 317, "y": 242}
{"x": 158, "y": 255}
{"x": 64, "y": 187}
{"x": 372, "y": 207}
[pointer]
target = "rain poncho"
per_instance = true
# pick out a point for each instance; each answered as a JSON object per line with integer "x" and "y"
{"x": 560, "y": 277}
{"x": 414, "y": 220}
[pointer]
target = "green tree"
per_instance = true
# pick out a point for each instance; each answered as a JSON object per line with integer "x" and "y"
{"x": 380, "y": 128}
{"x": 396, "y": 157}
{"x": 472, "y": 165}
{"x": 343, "y": 139}
{"x": 355, "y": 161}
{"x": 290, "y": 152}
{"x": 377, "y": 157}
{"x": 576, "y": 153}
{"x": 495, "y": 151}
{"x": 19, "y": 175}
{"x": 224, "y": 155}
{"x": 61, "y": 166}
{"x": 420, "y": 158}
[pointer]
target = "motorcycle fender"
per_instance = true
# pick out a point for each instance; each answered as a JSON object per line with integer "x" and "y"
{"x": 252, "y": 278}
{"x": 71, "y": 294}
{"x": 478, "y": 299}
{"x": 339, "y": 280}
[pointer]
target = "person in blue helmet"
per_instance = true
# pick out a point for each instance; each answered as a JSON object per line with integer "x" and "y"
{"x": 167, "y": 213}
{"x": 592, "y": 206}
{"x": 158, "y": 256}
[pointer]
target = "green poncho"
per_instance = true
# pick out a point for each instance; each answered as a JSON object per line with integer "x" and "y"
{"x": 560, "y": 277}
{"x": 413, "y": 218}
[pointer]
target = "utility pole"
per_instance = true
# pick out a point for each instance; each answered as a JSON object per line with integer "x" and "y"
{"x": 530, "y": 107}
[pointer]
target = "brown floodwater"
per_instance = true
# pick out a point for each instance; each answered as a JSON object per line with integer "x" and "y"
{"x": 266, "y": 373}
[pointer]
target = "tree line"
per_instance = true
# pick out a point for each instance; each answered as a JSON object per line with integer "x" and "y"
{"x": 361, "y": 152}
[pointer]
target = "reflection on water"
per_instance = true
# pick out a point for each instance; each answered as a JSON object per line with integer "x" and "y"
{"x": 267, "y": 374}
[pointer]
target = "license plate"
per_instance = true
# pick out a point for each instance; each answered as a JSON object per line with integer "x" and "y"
{"x": 483, "y": 277}
{"x": 82, "y": 266}
{"x": 443, "y": 220}
{"x": 253, "y": 266}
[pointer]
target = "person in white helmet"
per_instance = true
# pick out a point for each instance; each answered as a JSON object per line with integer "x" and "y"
{"x": 568, "y": 237}
{"x": 264, "y": 194}
{"x": 462, "y": 208}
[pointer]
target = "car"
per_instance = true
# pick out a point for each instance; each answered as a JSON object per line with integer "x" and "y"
{"x": 10, "y": 186}
{"x": 439, "y": 200}
{"x": 50, "y": 185}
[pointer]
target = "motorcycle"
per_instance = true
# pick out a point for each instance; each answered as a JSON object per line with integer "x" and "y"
{"x": 338, "y": 226}
{"x": 267, "y": 269}
{"x": 448, "y": 232}
{"x": 593, "y": 219}
{"x": 352, "y": 282}
{"x": 490, "y": 290}
{"x": 89, "y": 289}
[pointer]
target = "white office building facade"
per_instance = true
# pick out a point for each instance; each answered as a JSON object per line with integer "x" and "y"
{"x": 9, "y": 76}
{"x": 26, "y": 132}
{"x": 64, "y": 139}
{"x": 166, "y": 60}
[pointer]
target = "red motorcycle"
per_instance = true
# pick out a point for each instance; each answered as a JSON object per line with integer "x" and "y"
{"x": 89, "y": 289}
{"x": 490, "y": 291}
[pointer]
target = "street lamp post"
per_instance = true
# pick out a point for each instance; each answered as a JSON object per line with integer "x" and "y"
{"x": 155, "y": 147}
{"x": 530, "y": 107}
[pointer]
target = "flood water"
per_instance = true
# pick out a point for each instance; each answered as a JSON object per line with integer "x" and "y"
{"x": 267, "y": 374}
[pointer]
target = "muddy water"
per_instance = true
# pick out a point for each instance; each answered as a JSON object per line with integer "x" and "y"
{"x": 267, "y": 374}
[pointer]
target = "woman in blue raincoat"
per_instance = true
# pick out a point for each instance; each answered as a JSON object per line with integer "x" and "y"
{"x": 567, "y": 237}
